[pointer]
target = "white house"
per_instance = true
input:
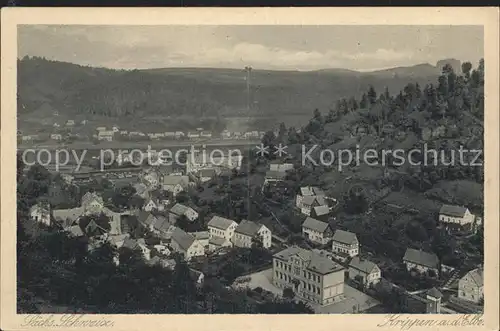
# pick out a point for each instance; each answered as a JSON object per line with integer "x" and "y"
{"x": 70, "y": 123}
{"x": 179, "y": 134}
{"x": 115, "y": 129}
{"x": 225, "y": 134}
{"x": 307, "y": 203}
{"x": 206, "y": 134}
{"x": 247, "y": 231}
{"x": 273, "y": 177}
{"x": 151, "y": 204}
{"x": 56, "y": 136}
{"x": 280, "y": 166}
{"x": 221, "y": 227}
{"x": 186, "y": 244}
{"x": 471, "y": 286}
{"x": 345, "y": 243}
{"x": 193, "y": 135}
{"x": 105, "y": 135}
{"x": 456, "y": 215}
{"x": 175, "y": 184}
{"x": 40, "y": 212}
{"x": 421, "y": 261}
{"x": 317, "y": 231}
{"x": 366, "y": 271}
{"x": 182, "y": 210}
{"x": 101, "y": 128}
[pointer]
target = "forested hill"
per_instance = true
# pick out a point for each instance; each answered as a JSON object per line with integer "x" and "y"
{"x": 70, "y": 88}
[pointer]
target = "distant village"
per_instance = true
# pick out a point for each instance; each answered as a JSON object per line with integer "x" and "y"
{"x": 329, "y": 271}
{"x": 64, "y": 132}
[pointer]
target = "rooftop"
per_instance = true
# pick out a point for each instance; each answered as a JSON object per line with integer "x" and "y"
{"x": 248, "y": 228}
{"x": 317, "y": 261}
{"x": 220, "y": 222}
{"x": 363, "y": 265}
{"x": 314, "y": 224}
{"x": 345, "y": 237}
{"x": 455, "y": 211}
{"x": 421, "y": 258}
{"x": 183, "y": 239}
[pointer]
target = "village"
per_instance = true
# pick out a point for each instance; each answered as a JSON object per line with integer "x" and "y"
{"x": 328, "y": 268}
{"x": 82, "y": 131}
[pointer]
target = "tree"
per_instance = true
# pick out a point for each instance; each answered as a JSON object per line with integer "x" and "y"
{"x": 372, "y": 95}
{"x": 363, "y": 104}
{"x": 466, "y": 68}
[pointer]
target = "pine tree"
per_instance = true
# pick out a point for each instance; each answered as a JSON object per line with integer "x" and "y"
{"x": 372, "y": 95}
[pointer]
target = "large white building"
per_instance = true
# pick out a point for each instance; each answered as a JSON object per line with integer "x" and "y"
{"x": 316, "y": 230}
{"x": 208, "y": 160}
{"x": 471, "y": 286}
{"x": 366, "y": 271}
{"x": 421, "y": 261}
{"x": 186, "y": 244}
{"x": 222, "y": 227}
{"x": 311, "y": 275}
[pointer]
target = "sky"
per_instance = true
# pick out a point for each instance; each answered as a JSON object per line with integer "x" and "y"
{"x": 275, "y": 47}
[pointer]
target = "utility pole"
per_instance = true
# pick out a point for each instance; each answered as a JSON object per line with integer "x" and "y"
{"x": 248, "y": 70}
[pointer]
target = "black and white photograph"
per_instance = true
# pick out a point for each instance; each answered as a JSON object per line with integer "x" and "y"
{"x": 250, "y": 169}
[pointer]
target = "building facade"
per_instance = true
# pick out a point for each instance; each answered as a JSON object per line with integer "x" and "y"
{"x": 471, "y": 286}
{"x": 312, "y": 276}
{"x": 345, "y": 243}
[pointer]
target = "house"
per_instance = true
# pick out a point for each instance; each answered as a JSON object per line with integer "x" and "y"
{"x": 273, "y": 177}
{"x": 317, "y": 231}
{"x": 105, "y": 135}
{"x": 152, "y": 204}
{"x": 169, "y": 134}
{"x": 100, "y": 128}
{"x": 179, "y": 134}
{"x": 193, "y": 135}
{"x": 247, "y": 231}
{"x": 146, "y": 219}
{"x": 118, "y": 240}
{"x": 123, "y": 132}
{"x": 345, "y": 243}
{"x": 150, "y": 178}
{"x": 84, "y": 122}
{"x": 366, "y": 271}
{"x": 308, "y": 191}
{"x": 186, "y": 244}
{"x": 204, "y": 175}
{"x": 175, "y": 184}
{"x": 115, "y": 129}
{"x": 92, "y": 202}
{"x": 225, "y": 134}
{"x": 56, "y": 136}
{"x": 180, "y": 210}
{"x": 449, "y": 214}
{"x": 70, "y": 123}
{"x": 27, "y": 138}
{"x": 141, "y": 190}
{"x": 220, "y": 227}
{"x": 138, "y": 245}
{"x": 312, "y": 276}
{"x": 74, "y": 231}
{"x": 309, "y": 202}
{"x": 203, "y": 237}
{"x": 421, "y": 261}
{"x": 217, "y": 243}
{"x": 471, "y": 286}
{"x": 40, "y": 212}
{"x": 56, "y": 125}
{"x": 67, "y": 217}
{"x": 68, "y": 179}
{"x": 206, "y": 134}
{"x": 162, "y": 249}
{"x": 321, "y": 212}
{"x": 280, "y": 166}
{"x": 164, "y": 226}
{"x": 196, "y": 162}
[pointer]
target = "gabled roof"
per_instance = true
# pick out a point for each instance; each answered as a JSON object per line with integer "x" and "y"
{"x": 130, "y": 243}
{"x": 345, "y": 237}
{"x": 146, "y": 218}
{"x": 363, "y": 265}
{"x": 180, "y": 209}
{"x": 271, "y": 174}
{"x": 314, "y": 224}
{"x": 311, "y": 190}
{"x": 200, "y": 235}
{"x": 454, "y": 211}
{"x": 220, "y": 222}
{"x": 217, "y": 241}
{"x": 308, "y": 200}
{"x": 248, "y": 228}
{"x": 420, "y": 257}
{"x": 75, "y": 231}
{"x": 321, "y": 210}
{"x": 183, "y": 239}
{"x": 433, "y": 292}
{"x": 317, "y": 261}
{"x": 67, "y": 216}
{"x": 162, "y": 224}
{"x": 477, "y": 276}
{"x": 174, "y": 180}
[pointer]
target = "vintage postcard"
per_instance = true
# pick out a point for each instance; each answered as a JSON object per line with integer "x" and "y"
{"x": 217, "y": 169}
